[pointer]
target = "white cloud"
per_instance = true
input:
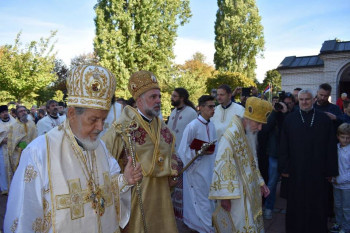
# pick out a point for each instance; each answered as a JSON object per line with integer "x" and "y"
{"x": 72, "y": 42}
{"x": 273, "y": 58}
{"x": 185, "y": 48}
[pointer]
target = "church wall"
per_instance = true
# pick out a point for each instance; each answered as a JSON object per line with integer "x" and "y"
{"x": 311, "y": 78}
{"x": 333, "y": 65}
{"x": 305, "y": 78}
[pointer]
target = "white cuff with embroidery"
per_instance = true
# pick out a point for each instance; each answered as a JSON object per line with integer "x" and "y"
{"x": 123, "y": 184}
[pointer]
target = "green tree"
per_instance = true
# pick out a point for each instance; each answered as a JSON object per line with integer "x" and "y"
{"x": 193, "y": 75}
{"x": 26, "y": 70}
{"x": 134, "y": 35}
{"x": 62, "y": 73}
{"x": 85, "y": 58}
{"x": 233, "y": 79}
{"x": 238, "y": 36}
{"x": 272, "y": 77}
{"x": 59, "y": 84}
{"x": 58, "y": 96}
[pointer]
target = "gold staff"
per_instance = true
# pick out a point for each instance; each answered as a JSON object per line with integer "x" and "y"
{"x": 203, "y": 149}
{"x": 128, "y": 131}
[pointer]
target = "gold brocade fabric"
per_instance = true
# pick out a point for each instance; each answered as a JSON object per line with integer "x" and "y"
{"x": 237, "y": 177}
{"x": 72, "y": 209}
{"x": 154, "y": 147}
{"x": 4, "y": 128}
{"x": 18, "y": 132}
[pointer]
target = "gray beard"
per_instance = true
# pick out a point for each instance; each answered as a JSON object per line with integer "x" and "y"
{"x": 88, "y": 144}
{"x": 24, "y": 119}
{"x": 151, "y": 112}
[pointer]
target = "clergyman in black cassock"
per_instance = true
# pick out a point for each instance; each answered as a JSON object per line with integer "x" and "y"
{"x": 308, "y": 154}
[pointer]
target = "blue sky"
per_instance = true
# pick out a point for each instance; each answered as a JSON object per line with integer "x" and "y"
{"x": 290, "y": 27}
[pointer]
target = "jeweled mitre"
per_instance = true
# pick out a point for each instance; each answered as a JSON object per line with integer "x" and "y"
{"x": 90, "y": 86}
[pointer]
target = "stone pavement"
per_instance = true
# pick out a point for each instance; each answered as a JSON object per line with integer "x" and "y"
{"x": 276, "y": 225}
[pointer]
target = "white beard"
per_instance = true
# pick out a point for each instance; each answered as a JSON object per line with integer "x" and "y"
{"x": 88, "y": 144}
{"x": 252, "y": 139}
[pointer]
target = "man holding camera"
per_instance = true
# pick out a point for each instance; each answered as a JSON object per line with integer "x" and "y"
{"x": 271, "y": 133}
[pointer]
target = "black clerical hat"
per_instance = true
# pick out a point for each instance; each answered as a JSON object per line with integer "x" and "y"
{"x": 3, "y": 108}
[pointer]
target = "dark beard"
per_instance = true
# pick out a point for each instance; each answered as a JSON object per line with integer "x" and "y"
{"x": 175, "y": 103}
{"x": 6, "y": 119}
{"x": 24, "y": 119}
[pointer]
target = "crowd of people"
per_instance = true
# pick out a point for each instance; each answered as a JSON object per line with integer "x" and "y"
{"x": 104, "y": 164}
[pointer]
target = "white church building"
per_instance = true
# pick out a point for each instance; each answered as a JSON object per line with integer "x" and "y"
{"x": 331, "y": 65}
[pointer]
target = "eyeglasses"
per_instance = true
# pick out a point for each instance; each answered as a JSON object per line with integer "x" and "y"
{"x": 210, "y": 106}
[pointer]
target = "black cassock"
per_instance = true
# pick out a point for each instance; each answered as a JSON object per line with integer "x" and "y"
{"x": 309, "y": 155}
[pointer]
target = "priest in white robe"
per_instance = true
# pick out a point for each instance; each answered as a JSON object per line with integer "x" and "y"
{"x": 225, "y": 111}
{"x": 20, "y": 134}
{"x": 183, "y": 113}
{"x": 198, "y": 209}
{"x": 66, "y": 180}
{"x": 51, "y": 120}
{"x": 237, "y": 183}
{"x": 6, "y": 120}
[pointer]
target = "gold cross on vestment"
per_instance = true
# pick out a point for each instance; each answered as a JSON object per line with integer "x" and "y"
{"x": 76, "y": 198}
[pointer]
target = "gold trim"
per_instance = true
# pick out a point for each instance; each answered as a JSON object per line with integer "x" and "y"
{"x": 224, "y": 197}
{"x": 50, "y": 183}
{"x": 215, "y": 220}
{"x": 155, "y": 140}
{"x": 255, "y": 207}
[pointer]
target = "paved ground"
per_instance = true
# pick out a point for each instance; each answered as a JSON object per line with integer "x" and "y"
{"x": 276, "y": 225}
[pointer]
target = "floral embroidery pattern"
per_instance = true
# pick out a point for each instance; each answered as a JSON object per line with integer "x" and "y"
{"x": 46, "y": 224}
{"x": 43, "y": 225}
{"x": 37, "y": 224}
{"x": 139, "y": 136}
{"x": 14, "y": 225}
{"x": 168, "y": 137}
{"x": 30, "y": 174}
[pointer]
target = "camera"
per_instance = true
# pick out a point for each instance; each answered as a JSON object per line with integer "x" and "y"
{"x": 281, "y": 95}
{"x": 278, "y": 107}
{"x": 246, "y": 91}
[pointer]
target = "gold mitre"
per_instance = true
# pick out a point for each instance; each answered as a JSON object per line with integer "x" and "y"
{"x": 90, "y": 86}
{"x": 257, "y": 109}
{"x": 142, "y": 81}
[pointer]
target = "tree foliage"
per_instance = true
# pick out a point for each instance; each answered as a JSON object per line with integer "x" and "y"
{"x": 233, "y": 79}
{"x": 85, "y": 58}
{"x": 274, "y": 78}
{"x": 58, "y": 96}
{"x": 59, "y": 84}
{"x": 62, "y": 73}
{"x": 24, "y": 71}
{"x": 134, "y": 35}
{"x": 238, "y": 36}
{"x": 193, "y": 75}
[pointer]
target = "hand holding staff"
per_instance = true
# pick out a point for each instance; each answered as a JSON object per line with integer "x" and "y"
{"x": 202, "y": 151}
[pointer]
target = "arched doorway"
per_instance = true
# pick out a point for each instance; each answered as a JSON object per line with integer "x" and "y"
{"x": 344, "y": 81}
